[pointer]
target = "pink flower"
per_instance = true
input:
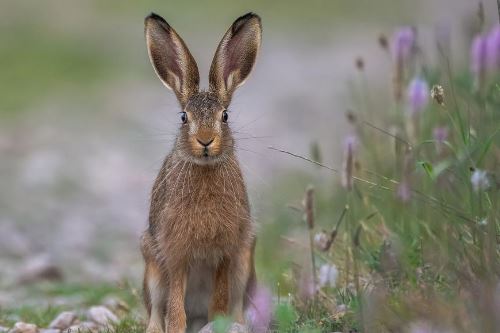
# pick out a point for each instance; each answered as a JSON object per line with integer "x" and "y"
{"x": 403, "y": 44}
{"x": 493, "y": 48}
{"x": 404, "y": 191}
{"x": 260, "y": 310}
{"x": 440, "y": 135}
{"x": 478, "y": 58}
{"x": 418, "y": 95}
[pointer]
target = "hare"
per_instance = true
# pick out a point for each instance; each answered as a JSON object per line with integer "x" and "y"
{"x": 199, "y": 246}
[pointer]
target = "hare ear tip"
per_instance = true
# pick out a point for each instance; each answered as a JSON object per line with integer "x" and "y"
{"x": 249, "y": 16}
{"x": 155, "y": 17}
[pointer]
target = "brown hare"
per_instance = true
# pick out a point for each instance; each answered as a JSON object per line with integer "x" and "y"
{"x": 199, "y": 245}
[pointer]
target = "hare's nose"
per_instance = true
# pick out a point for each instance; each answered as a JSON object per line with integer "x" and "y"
{"x": 205, "y": 143}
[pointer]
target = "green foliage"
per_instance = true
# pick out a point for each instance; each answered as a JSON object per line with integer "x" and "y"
{"x": 41, "y": 316}
{"x": 222, "y": 324}
{"x": 286, "y": 317}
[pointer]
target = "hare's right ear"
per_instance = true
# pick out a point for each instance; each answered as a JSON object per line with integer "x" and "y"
{"x": 235, "y": 56}
{"x": 171, "y": 58}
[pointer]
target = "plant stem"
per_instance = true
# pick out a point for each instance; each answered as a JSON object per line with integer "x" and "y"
{"x": 498, "y": 5}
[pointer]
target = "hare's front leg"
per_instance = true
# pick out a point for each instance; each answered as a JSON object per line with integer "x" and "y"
{"x": 175, "y": 321}
{"x": 154, "y": 297}
{"x": 242, "y": 267}
{"x": 220, "y": 295}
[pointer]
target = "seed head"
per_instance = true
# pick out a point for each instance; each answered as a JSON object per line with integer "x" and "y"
{"x": 437, "y": 94}
{"x": 360, "y": 64}
{"x": 350, "y": 145}
{"x": 351, "y": 116}
{"x": 383, "y": 42}
{"x": 322, "y": 241}
{"x": 309, "y": 207}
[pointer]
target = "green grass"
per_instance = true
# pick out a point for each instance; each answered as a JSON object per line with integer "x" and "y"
{"x": 78, "y": 297}
{"x": 428, "y": 259}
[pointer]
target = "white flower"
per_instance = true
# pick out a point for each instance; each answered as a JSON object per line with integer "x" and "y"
{"x": 328, "y": 275}
{"x": 479, "y": 180}
{"x": 321, "y": 240}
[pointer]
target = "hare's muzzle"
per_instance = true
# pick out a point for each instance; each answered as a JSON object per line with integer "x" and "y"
{"x": 205, "y": 143}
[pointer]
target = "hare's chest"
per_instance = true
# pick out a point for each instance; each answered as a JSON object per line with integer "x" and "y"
{"x": 206, "y": 211}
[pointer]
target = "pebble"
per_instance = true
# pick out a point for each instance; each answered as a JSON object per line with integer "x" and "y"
{"x": 50, "y": 330}
{"x": 63, "y": 320}
{"x": 39, "y": 268}
{"x": 102, "y": 316}
{"x": 3, "y": 329}
{"x": 21, "y": 327}
{"x": 85, "y": 326}
{"x": 234, "y": 328}
{"x": 116, "y": 305}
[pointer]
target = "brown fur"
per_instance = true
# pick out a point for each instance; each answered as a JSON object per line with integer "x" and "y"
{"x": 199, "y": 245}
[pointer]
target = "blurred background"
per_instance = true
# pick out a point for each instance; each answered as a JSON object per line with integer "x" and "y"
{"x": 85, "y": 123}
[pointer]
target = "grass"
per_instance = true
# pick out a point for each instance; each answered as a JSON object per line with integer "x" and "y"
{"x": 428, "y": 259}
{"x": 414, "y": 241}
{"x": 76, "y": 297}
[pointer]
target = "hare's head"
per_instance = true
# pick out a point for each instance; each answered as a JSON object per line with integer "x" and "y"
{"x": 205, "y": 136}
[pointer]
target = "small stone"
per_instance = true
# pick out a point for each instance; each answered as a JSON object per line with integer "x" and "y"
{"x": 50, "y": 330}
{"x": 63, "y": 320}
{"x": 39, "y": 268}
{"x": 234, "y": 328}
{"x": 102, "y": 316}
{"x": 83, "y": 327}
{"x": 3, "y": 329}
{"x": 21, "y": 327}
{"x": 116, "y": 305}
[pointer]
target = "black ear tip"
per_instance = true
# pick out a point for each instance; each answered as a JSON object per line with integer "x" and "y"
{"x": 155, "y": 17}
{"x": 249, "y": 16}
{"x": 242, "y": 20}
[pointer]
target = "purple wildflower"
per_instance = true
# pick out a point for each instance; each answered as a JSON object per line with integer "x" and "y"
{"x": 259, "y": 312}
{"x": 440, "y": 135}
{"x": 418, "y": 95}
{"x": 478, "y": 60}
{"x": 403, "y": 44}
{"x": 493, "y": 48}
{"x": 404, "y": 188}
{"x": 403, "y": 49}
{"x": 350, "y": 145}
{"x": 404, "y": 192}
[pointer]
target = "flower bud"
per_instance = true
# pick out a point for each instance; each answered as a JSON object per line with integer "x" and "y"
{"x": 478, "y": 61}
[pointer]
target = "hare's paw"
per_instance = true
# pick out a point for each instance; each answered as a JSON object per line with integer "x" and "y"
{"x": 154, "y": 328}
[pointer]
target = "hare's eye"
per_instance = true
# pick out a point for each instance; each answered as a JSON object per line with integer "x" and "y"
{"x": 225, "y": 116}
{"x": 184, "y": 117}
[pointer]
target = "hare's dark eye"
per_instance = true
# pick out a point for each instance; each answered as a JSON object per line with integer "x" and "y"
{"x": 184, "y": 117}
{"x": 225, "y": 116}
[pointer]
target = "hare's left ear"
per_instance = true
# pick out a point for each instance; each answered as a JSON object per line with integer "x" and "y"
{"x": 171, "y": 58}
{"x": 235, "y": 56}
